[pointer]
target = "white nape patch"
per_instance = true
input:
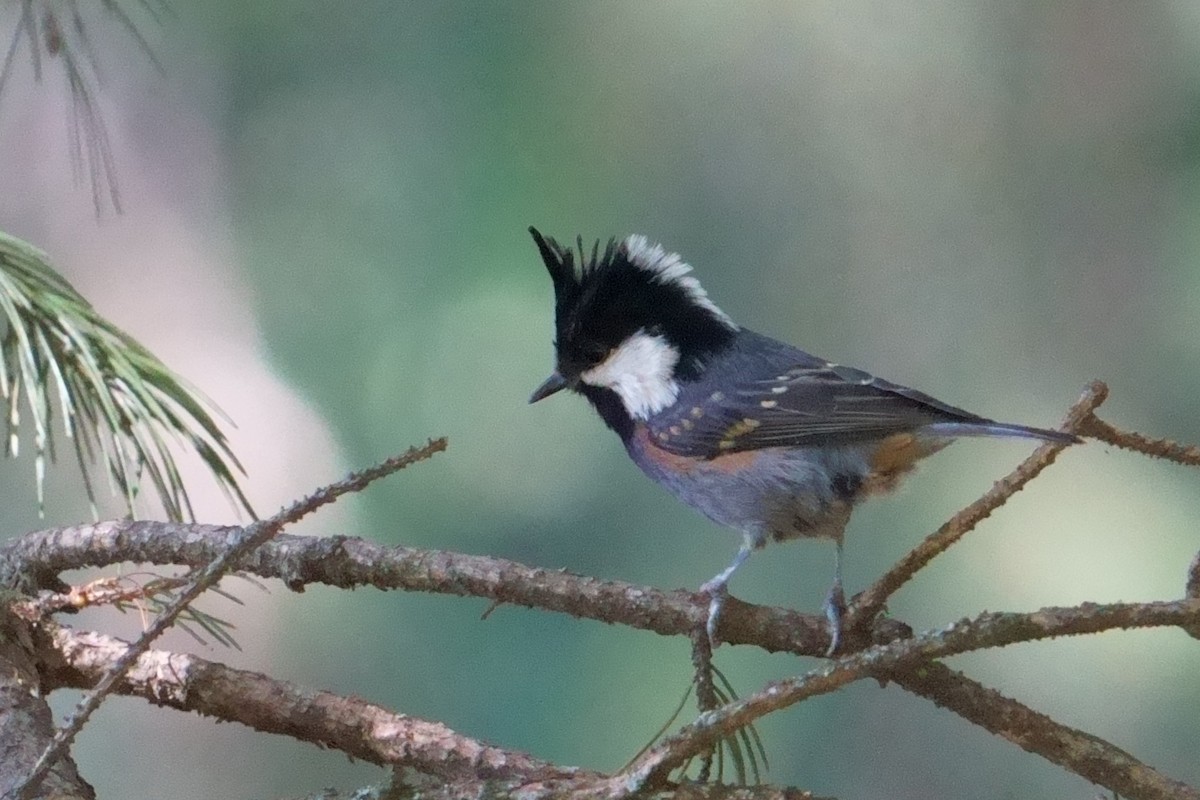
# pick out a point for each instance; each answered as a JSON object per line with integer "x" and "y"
{"x": 641, "y": 371}
{"x": 670, "y": 268}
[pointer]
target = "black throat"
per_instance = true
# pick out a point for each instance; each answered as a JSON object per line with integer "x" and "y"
{"x": 610, "y": 408}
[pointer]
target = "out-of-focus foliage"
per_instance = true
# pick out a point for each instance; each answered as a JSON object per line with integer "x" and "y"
{"x": 60, "y": 32}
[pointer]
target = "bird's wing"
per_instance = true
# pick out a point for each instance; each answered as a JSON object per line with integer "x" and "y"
{"x": 810, "y": 402}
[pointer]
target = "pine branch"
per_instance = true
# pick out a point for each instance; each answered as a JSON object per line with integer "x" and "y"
{"x": 80, "y": 659}
{"x": 35, "y": 560}
{"x": 985, "y": 631}
{"x": 244, "y": 541}
{"x": 115, "y": 399}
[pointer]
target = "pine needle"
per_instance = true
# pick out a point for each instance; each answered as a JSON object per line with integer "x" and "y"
{"x": 115, "y": 399}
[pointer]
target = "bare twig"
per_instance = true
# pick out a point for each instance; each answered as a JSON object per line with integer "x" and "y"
{"x": 987, "y": 630}
{"x": 1087, "y": 756}
{"x": 1192, "y": 590}
{"x": 1155, "y": 448}
{"x": 241, "y": 543}
{"x": 109, "y": 590}
{"x": 149, "y": 598}
{"x": 706, "y": 690}
{"x": 867, "y": 605}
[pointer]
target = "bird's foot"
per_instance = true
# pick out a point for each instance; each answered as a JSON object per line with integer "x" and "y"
{"x": 717, "y": 590}
{"x": 835, "y": 611}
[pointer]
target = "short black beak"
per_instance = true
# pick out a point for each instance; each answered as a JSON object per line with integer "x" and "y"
{"x": 555, "y": 383}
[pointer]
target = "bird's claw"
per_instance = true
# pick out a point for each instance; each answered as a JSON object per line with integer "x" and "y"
{"x": 717, "y": 591}
{"x": 835, "y": 610}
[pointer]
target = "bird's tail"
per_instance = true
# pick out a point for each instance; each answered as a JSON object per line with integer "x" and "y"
{"x": 989, "y": 428}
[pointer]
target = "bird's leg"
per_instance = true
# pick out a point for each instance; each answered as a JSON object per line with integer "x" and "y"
{"x": 835, "y": 601}
{"x": 718, "y": 589}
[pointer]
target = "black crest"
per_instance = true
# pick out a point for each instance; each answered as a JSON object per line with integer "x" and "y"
{"x": 631, "y": 286}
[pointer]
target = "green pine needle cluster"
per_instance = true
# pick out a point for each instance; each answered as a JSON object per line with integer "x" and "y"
{"x": 118, "y": 404}
{"x": 743, "y": 748}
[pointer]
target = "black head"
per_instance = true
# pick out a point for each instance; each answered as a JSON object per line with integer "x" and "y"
{"x": 631, "y": 320}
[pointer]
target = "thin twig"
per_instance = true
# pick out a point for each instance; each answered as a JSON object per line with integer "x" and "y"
{"x": 1086, "y": 755}
{"x": 102, "y": 591}
{"x": 867, "y": 605}
{"x": 242, "y": 541}
{"x": 1192, "y": 591}
{"x": 706, "y": 691}
{"x": 1156, "y": 448}
{"x": 986, "y": 631}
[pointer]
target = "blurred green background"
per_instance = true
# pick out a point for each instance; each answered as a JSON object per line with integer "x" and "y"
{"x": 992, "y": 202}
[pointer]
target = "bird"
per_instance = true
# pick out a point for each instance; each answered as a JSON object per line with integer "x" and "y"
{"x": 757, "y": 435}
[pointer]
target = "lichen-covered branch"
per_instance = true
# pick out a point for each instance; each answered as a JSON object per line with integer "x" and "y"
{"x": 244, "y": 541}
{"x": 462, "y": 767}
{"x": 986, "y": 631}
{"x": 26, "y": 722}
{"x": 348, "y": 562}
{"x": 34, "y": 562}
{"x": 79, "y": 659}
{"x": 1086, "y": 755}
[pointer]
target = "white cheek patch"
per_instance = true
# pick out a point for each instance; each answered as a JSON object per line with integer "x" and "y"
{"x": 641, "y": 371}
